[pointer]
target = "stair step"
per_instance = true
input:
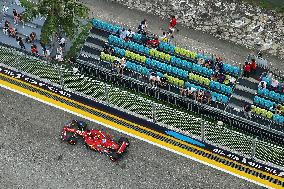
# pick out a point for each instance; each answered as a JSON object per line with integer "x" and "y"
{"x": 95, "y": 41}
{"x": 237, "y": 102}
{"x": 245, "y": 89}
{"x": 249, "y": 83}
{"x": 93, "y": 56}
{"x": 99, "y": 32}
{"x": 242, "y": 98}
{"x": 91, "y": 49}
{"x": 246, "y": 94}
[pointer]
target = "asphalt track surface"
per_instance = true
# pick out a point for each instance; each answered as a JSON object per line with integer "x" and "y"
{"x": 32, "y": 156}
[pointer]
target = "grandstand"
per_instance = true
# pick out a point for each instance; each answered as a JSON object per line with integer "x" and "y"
{"x": 182, "y": 69}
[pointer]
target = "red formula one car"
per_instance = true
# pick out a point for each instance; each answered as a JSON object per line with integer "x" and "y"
{"x": 94, "y": 139}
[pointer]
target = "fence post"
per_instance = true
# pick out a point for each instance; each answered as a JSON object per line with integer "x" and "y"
{"x": 253, "y": 149}
{"x": 154, "y": 112}
{"x": 202, "y": 130}
{"x": 61, "y": 80}
{"x": 107, "y": 93}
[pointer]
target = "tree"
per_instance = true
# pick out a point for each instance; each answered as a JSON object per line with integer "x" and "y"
{"x": 62, "y": 17}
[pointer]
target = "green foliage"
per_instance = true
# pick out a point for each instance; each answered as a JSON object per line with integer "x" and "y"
{"x": 62, "y": 16}
{"x": 79, "y": 41}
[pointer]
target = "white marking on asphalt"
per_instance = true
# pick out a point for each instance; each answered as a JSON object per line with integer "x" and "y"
{"x": 134, "y": 136}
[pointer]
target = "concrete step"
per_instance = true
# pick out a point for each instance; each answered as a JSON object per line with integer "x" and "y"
{"x": 104, "y": 39}
{"x": 245, "y": 89}
{"x": 242, "y": 99}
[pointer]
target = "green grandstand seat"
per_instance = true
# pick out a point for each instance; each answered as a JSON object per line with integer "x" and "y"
{"x": 269, "y": 115}
{"x": 181, "y": 83}
{"x": 168, "y": 57}
{"x": 177, "y": 50}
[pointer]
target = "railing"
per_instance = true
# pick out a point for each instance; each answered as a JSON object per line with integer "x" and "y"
{"x": 179, "y": 120}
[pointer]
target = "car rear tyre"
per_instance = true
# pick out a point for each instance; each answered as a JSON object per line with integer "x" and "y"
{"x": 123, "y": 139}
{"x": 113, "y": 156}
{"x": 72, "y": 140}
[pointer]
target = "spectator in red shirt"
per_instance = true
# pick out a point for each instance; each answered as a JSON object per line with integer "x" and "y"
{"x": 247, "y": 69}
{"x": 253, "y": 66}
{"x": 34, "y": 50}
{"x": 172, "y": 26}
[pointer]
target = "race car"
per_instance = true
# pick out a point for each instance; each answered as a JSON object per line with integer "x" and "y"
{"x": 94, "y": 139}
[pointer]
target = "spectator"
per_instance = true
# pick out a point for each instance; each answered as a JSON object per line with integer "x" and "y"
{"x": 59, "y": 54}
{"x": 154, "y": 79}
{"x": 200, "y": 95}
{"x": 129, "y": 35}
{"x": 6, "y": 27}
{"x": 115, "y": 64}
{"x": 274, "y": 84}
{"x": 142, "y": 27}
{"x": 31, "y": 37}
{"x": 144, "y": 39}
{"x": 184, "y": 91}
{"x": 172, "y": 26}
{"x": 20, "y": 42}
{"x": 164, "y": 81}
{"x": 122, "y": 65}
{"x": 278, "y": 109}
{"x": 34, "y": 50}
{"x": 232, "y": 80}
{"x": 246, "y": 70}
{"x": 15, "y": 15}
{"x": 247, "y": 111}
{"x": 207, "y": 98}
{"x": 262, "y": 85}
{"x": 154, "y": 43}
{"x": 21, "y": 19}
{"x": 164, "y": 38}
{"x": 108, "y": 49}
{"x": 12, "y": 32}
{"x": 5, "y": 10}
{"x": 123, "y": 34}
{"x": 253, "y": 66}
{"x": 47, "y": 54}
{"x": 273, "y": 108}
{"x": 62, "y": 43}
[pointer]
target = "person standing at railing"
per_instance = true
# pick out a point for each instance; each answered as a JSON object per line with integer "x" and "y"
{"x": 253, "y": 66}
{"x": 247, "y": 70}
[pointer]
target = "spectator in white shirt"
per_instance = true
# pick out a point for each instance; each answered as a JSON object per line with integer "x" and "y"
{"x": 274, "y": 84}
{"x": 262, "y": 85}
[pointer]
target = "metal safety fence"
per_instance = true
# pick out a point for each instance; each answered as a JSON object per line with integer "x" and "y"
{"x": 185, "y": 122}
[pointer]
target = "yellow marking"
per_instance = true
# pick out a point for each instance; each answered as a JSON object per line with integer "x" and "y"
{"x": 144, "y": 136}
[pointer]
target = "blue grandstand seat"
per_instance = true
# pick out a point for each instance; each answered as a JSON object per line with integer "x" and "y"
{"x": 185, "y": 74}
{"x": 195, "y": 67}
{"x": 223, "y": 88}
{"x": 187, "y": 85}
{"x": 229, "y": 90}
{"x": 225, "y": 99}
{"x": 188, "y": 65}
{"x": 256, "y": 100}
{"x": 159, "y": 65}
{"x": 154, "y": 63}
{"x": 175, "y": 70}
{"x": 169, "y": 68}
{"x": 160, "y": 74}
{"x": 178, "y": 62}
{"x": 212, "y": 84}
{"x": 282, "y": 98}
{"x": 218, "y": 85}
{"x": 164, "y": 67}
{"x": 173, "y": 59}
{"x": 272, "y": 94}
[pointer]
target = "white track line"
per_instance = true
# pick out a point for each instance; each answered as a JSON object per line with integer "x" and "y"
{"x": 134, "y": 136}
